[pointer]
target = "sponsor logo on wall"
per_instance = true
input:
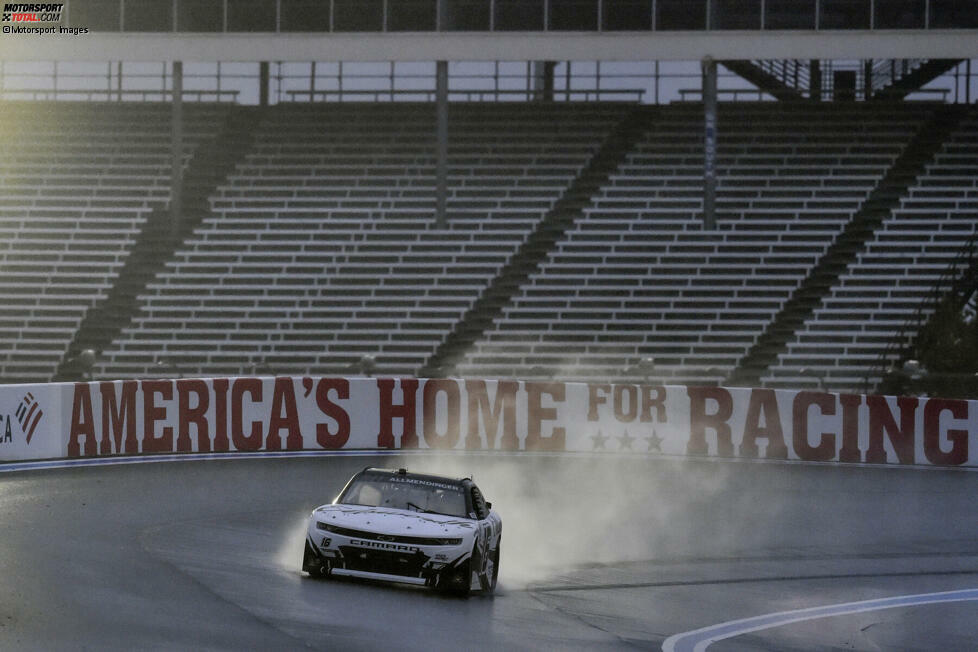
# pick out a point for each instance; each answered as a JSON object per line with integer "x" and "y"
{"x": 27, "y": 415}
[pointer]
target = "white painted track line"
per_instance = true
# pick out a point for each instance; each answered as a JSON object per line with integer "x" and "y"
{"x": 698, "y": 640}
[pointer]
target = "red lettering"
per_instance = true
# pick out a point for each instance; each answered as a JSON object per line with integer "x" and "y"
{"x": 658, "y": 403}
{"x": 881, "y": 422}
{"x": 596, "y": 395}
{"x": 152, "y": 414}
{"x": 239, "y": 387}
{"x": 700, "y": 420}
{"x": 82, "y": 423}
{"x": 196, "y": 415}
{"x": 850, "y": 428}
{"x": 407, "y": 412}
{"x": 536, "y": 414}
{"x": 825, "y": 449}
{"x": 221, "y": 442}
{"x": 504, "y": 405}
{"x": 117, "y": 415}
{"x": 763, "y": 402}
{"x": 283, "y": 398}
{"x": 932, "y": 432}
{"x": 324, "y": 437}
{"x": 434, "y": 439}
{"x": 621, "y": 414}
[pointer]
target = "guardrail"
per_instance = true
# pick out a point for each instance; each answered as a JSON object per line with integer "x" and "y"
{"x": 106, "y": 420}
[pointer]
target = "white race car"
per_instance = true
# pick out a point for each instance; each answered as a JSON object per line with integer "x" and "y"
{"x": 407, "y": 527}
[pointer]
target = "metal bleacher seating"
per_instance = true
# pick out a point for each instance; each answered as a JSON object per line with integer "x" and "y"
{"x": 322, "y": 246}
{"x": 841, "y": 344}
{"x": 639, "y": 277}
{"x": 77, "y": 182}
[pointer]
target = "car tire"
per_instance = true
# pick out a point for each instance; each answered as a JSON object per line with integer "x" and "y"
{"x": 313, "y": 564}
{"x": 445, "y": 585}
{"x": 494, "y": 576}
{"x": 487, "y": 580}
{"x": 463, "y": 591}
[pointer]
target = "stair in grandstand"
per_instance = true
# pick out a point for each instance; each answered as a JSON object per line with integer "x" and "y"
{"x": 914, "y": 79}
{"x": 956, "y": 288}
{"x": 534, "y": 250}
{"x": 209, "y": 166}
{"x": 846, "y": 247}
{"x": 765, "y": 79}
{"x": 789, "y": 80}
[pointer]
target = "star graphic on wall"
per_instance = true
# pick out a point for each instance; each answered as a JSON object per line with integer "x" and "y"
{"x": 625, "y": 441}
{"x": 599, "y": 441}
{"x": 655, "y": 443}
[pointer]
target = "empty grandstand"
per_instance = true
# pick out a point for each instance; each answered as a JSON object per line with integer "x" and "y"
{"x": 544, "y": 219}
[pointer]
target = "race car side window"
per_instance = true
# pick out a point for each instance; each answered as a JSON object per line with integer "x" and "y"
{"x": 481, "y": 511}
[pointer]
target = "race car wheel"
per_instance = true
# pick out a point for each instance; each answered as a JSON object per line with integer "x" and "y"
{"x": 457, "y": 581}
{"x": 313, "y": 564}
{"x": 487, "y": 581}
{"x": 325, "y": 569}
{"x": 494, "y": 575}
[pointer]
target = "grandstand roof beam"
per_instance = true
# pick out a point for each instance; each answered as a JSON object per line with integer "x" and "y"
{"x": 441, "y": 168}
{"x": 485, "y": 46}
{"x": 176, "y": 151}
{"x": 709, "y": 143}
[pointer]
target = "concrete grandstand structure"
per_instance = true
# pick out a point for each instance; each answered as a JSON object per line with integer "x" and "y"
{"x": 547, "y": 228}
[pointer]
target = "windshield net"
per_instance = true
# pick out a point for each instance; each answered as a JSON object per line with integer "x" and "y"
{"x": 400, "y": 492}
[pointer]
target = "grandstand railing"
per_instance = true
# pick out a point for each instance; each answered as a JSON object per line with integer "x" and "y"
{"x": 620, "y": 95}
{"x": 960, "y": 269}
{"x": 730, "y": 95}
{"x": 117, "y": 96}
{"x": 650, "y": 82}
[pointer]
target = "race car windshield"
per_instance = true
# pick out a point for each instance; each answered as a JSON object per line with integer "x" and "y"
{"x": 406, "y": 493}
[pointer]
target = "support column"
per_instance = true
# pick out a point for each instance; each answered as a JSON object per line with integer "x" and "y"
{"x": 815, "y": 80}
{"x": 176, "y": 150}
{"x": 543, "y": 80}
{"x": 967, "y": 82}
{"x": 868, "y": 79}
{"x": 548, "y": 80}
{"x": 441, "y": 170}
{"x": 263, "y": 84}
{"x": 709, "y": 143}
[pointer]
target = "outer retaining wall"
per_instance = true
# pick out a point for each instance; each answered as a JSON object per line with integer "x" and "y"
{"x": 248, "y": 414}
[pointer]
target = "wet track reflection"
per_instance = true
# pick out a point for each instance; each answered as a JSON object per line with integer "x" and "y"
{"x": 598, "y": 554}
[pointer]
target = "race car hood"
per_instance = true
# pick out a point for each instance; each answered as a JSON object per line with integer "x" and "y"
{"x": 384, "y": 520}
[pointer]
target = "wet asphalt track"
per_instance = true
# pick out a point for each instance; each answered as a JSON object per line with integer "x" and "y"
{"x": 597, "y": 555}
